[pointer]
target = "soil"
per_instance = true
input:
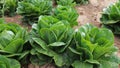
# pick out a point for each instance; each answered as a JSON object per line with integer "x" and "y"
{"x": 89, "y": 13}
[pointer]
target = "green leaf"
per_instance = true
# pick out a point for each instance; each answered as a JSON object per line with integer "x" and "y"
{"x": 22, "y": 55}
{"x": 15, "y": 46}
{"x": 58, "y": 60}
{"x": 8, "y": 63}
{"x": 5, "y": 62}
{"x": 33, "y": 52}
{"x": 2, "y": 65}
{"x": 105, "y": 33}
{"x": 6, "y": 37}
{"x": 108, "y": 64}
{"x": 14, "y": 63}
{"x": 74, "y": 51}
{"x": 57, "y": 44}
{"x": 47, "y": 35}
{"x": 101, "y": 51}
{"x": 41, "y": 43}
{"x": 78, "y": 64}
{"x": 46, "y": 21}
{"x": 92, "y": 61}
{"x": 46, "y": 52}
{"x": 21, "y": 34}
{"x": 88, "y": 45}
{"x": 66, "y": 3}
{"x": 2, "y": 21}
{"x": 111, "y": 57}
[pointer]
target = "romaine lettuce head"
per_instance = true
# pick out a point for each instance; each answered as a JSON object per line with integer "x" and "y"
{"x": 67, "y": 13}
{"x": 111, "y": 17}
{"x": 50, "y": 39}
{"x": 32, "y": 9}
{"x": 12, "y": 40}
{"x": 8, "y": 7}
{"x": 94, "y": 45}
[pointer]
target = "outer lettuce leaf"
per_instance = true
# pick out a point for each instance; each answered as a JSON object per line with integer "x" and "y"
{"x": 114, "y": 27}
{"x": 14, "y": 46}
{"x": 108, "y": 64}
{"x": 8, "y": 63}
{"x": 78, "y": 64}
{"x": 14, "y": 63}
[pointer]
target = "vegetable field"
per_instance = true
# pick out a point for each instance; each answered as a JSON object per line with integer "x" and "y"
{"x": 59, "y": 33}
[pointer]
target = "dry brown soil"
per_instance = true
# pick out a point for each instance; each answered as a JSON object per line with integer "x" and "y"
{"x": 89, "y": 13}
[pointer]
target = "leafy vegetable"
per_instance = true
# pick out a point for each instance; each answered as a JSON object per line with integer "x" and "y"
{"x": 12, "y": 40}
{"x": 66, "y": 2}
{"x": 48, "y": 21}
{"x": 111, "y": 17}
{"x": 78, "y": 64}
{"x": 81, "y": 1}
{"x": 50, "y": 39}
{"x": 66, "y": 13}
{"x": 87, "y": 47}
{"x": 32, "y": 9}
{"x": 8, "y": 7}
{"x": 71, "y": 2}
{"x": 94, "y": 46}
{"x": 8, "y": 63}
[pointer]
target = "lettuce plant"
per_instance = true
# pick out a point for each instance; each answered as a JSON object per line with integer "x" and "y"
{"x": 81, "y": 1}
{"x": 54, "y": 41}
{"x": 8, "y": 7}
{"x": 8, "y": 63}
{"x": 66, "y": 2}
{"x": 71, "y": 2}
{"x": 111, "y": 17}
{"x": 50, "y": 39}
{"x": 12, "y": 40}
{"x": 94, "y": 47}
{"x": 32, "y": 9}
{"x": 66, "y": 13}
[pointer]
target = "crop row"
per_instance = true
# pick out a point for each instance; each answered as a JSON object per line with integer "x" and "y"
{"x": 53, "y": 38}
